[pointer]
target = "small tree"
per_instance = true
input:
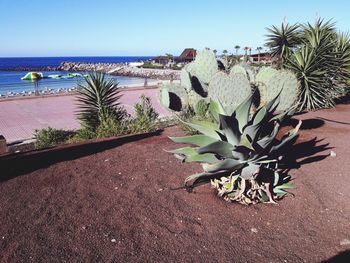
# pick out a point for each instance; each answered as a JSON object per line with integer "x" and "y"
{"x": 98, "y": 101}
{"x": 237, "y": 48}
{"x": 259, "y": 50}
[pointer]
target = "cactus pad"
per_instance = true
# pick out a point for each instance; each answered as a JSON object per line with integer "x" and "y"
{"x": 205, "y": 66}
{"x": 229, "y": 90}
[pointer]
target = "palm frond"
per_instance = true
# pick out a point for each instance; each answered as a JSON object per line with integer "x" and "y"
{"x": 282, "y": 41}
{"x": 98, "y": 99}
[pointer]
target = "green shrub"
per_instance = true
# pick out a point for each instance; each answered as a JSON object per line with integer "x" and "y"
{"x": 201, "y": 108}
{"x": 145, "y": 119}
{"x": 51, "y": 137}
{"x": 110, "y": 127}
{"x": 151, "y": 66}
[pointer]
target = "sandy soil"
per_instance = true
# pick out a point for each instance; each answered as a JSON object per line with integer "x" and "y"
{"x": 111, "y": 201}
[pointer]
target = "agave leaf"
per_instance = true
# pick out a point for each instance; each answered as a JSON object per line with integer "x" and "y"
{"x": 207, "y": 124}
{"x": 201, "y": 158}
{"x": 221, "y": 148}
{"x": 266, "y": 161}
{"x": 216, "y": 108}
{"x": 260, "y": 115}
{"x": 249, "y": 171}
{"x": 242, "y": 112}
{"x": 229, "y": 126}
{"x": 225, "y": 165}
{"x": 241, "y": 152}
{"x": 276, "y": 179}
{"x": 199, "y": 140}
{"x": 289, "y": 136}
{"x": 266, "y": 141}
{"x": 200, "y": 179}
{"x": 252, "y": 132}
{"x": 204, "y": 129}
{"x": 287, "y": 185}
{"x": 272, "y": 105}
{"x": 245, "y": 142}
{"x": 280, "y": 117}
{"x": 185, "y": 151}
{"x": 264, "y": 198}
{"x": 284, "y": 115}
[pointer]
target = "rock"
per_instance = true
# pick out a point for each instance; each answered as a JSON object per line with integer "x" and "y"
{"x": 113, "y": 240}
{"x": 345, "y": 242}
{"x": 333, "y": 154}
{"x": 254, "y": 230}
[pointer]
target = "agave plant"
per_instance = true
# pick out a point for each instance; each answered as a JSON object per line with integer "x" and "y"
{"x": 239, "y": 152}
{"x": 98, "y": 101}
{"x": 282, "y": 41}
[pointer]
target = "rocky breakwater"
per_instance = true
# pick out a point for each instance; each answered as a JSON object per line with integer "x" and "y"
{"x": 121, "y": 69}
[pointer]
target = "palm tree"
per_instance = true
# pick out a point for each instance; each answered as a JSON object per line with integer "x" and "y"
{"x": 237, "y": 48}
{"x": 246, "y": 51}
{"x": 259, "y": 50}
{"x": 170, "y": 56}
{"x": 215, "y": 51}
{"x": 224, "y": 52}
{"x": 98, "y": 101}
{"x": 282, "y": 41}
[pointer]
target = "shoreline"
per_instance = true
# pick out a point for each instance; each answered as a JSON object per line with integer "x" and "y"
{"x": 151, "y": 85}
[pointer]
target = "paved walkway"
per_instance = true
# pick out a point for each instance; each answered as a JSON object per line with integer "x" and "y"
{"x": 20, "y": 117}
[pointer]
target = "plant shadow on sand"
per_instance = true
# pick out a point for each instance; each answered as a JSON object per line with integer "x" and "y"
{"x": 342, "y": 257}
{"x": 15, "y": 165}
{"x": 305, "y": 152}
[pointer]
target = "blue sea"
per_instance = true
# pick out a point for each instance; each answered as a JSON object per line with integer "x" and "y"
{"x": 11, "y": 83}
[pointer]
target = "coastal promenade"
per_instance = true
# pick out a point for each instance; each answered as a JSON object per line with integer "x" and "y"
{"x": 21, "y": 116}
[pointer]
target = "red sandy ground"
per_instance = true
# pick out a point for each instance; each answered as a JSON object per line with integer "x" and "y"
{"x": 111, "y": 201}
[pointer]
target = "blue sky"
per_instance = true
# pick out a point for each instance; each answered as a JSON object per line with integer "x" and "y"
{"x": 140, "y": 27}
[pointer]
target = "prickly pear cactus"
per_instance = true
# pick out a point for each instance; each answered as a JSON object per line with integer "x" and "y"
{"x": 205, "y": 66}
{"x": 265, "y": 74}
{"x": 186, "y": 72}
{"x": 271, "y": 81}
{"x": 244, "y": 69}
{"x": 288, "y": 83}
{"x": 173, "y": 96}
{"x": 229, "y": 90}
{"x": 237, "y": 69}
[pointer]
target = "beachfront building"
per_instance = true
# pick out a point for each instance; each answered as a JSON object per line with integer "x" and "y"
{"x": 262, "y": 57}
{"x": 163, "y": 60}
{"x": 187, "y": 55}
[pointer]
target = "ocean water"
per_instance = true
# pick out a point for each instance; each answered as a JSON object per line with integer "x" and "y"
{"x": 11, "y": 83}
{"x": 55, "y": 61}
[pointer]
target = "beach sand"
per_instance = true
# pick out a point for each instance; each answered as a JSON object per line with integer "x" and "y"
{"x": 20, "y": 116}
